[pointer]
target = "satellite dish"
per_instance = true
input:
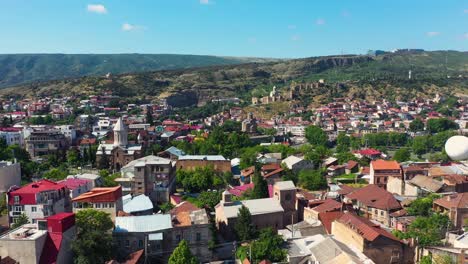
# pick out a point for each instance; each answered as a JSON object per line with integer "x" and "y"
{"x": 456, "y": 148}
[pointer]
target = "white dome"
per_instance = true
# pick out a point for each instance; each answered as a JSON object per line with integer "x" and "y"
{"x": 456, "y": 147}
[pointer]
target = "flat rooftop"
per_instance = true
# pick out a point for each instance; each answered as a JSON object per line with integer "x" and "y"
{"x": 25, "y": 232}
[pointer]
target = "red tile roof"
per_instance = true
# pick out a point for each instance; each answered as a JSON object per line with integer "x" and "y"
{"x": 368, "y": 152}
{"x": 273, "y": 173}
{"x": 376, "y": 197}
{"x": 327, "y": 218}
{"x": 102, "y": 194}
{"x": 181, "y": 213}
{"x": 385, "y": 165}
{"x": 345, "y": 189}
{"x": 351, "y": 164}
{"x": 328, "y": 205}
{"x": 364, "y": 227}
{"x": 74, "y": 183}
{"x": 28, "y": 192}
{"x": 459, "y": 200}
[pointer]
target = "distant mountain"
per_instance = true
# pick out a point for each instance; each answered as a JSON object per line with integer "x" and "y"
{"x": 18, "y": 69}
{"x": 356, "y": 76}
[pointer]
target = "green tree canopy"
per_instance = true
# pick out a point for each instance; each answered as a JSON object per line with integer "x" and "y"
{"x": 21, "y": 220}
{"x": 244, "y": 228}
{"x": 313, "y": 179}
{"x": 422, "y": 206}
{"x": 416, "y": 125}
{"x": 316, "y": 136}
{"x": 269, "y": 246}
{"x": 260, "y": 189}
{"x": 436, "y": 125}
{"x": 402, "y": 154}
{"x": 93, "y": 243}
{"x": 182, "y": 255}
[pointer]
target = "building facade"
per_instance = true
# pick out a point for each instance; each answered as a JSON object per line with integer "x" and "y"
{"x": 37, "y": 200}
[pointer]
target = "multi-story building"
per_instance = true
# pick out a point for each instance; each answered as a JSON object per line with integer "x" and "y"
{"x": 37, "y": 200}
{"x": 12, "y": 135}
{"x": 456, "y": 207}
{"x": 106, "y": 199}
{"x": 48, "y": 241}
{"x": 151, "y": 233}
{"x": 380, "y": 170}
{"x": 120, "y": 152}
{"x": 40, "y": 143}
{"x": 68, "y": 131}
{"x": 77, "y": 186}
{"x": 374, "y": 203}
{"x": 191, "y": 224}
{"x": 379, "y": 245}
{"x": 151, "y": 175}
{"x": 10, "y": 175}
{"x": 191, "y": 162}
{"x": 274, "y": 212}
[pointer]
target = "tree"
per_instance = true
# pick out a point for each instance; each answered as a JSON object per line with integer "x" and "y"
{"x": 182, "y": 255}
{"x": 436, "y": 125}
{"x": 73, "y": 157}
{"x": 416, "y": 125}
{"x": 421, "y": 145}
{"x": 312, "y": 180}
{"x": 343, "y": 143}
{"x": 209, "y": 199}
{"x": 267, "y": 247}
{"x": 21, "y": 220}
{"x": 199, "y": 179}
{"x": 422, "y": 206}
{"x": 166, "y": 207}
{"x": 56, "y": 174}
{"x": 401, "y": 155}
{"x": 316, "y": 136}
{"x": 427, "y": 230}
{"x": 93, "y": 243}
{"x": 260, "y": 189}
{"x": 248, "y": 158}
{"x": 149, "y": 116}
{"x": 104, "y": 160}
{"x": 244, "y": 228}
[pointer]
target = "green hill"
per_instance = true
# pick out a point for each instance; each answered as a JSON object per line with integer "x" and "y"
{"x": 18, "y": 69}
{"x": 356, "y": 76}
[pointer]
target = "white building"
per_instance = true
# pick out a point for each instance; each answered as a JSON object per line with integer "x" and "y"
{"x": 10, "y": 175}
{"x": 12, "y": 137}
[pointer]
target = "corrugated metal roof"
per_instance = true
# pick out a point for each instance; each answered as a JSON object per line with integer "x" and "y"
{"x": 143, "y": 223}
{"x": 202, "y": 157}
{"x": 137, "y": 204}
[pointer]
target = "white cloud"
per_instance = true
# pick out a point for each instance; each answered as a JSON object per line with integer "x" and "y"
{"x": 465, "y": 36}
{"x": 97, "y": 8}
{"x": 131, "y": 27}
{"x": 432, "y": 33}
{"x": 320, "y": 21}
{"x": 205, "y": 2}
{"x": 296, "y": 38}
{"x": 465, "y": 11}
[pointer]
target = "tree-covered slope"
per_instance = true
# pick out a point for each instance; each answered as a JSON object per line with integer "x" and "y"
{"x": 18, "y": 69}
{"x": 356, "y": 76}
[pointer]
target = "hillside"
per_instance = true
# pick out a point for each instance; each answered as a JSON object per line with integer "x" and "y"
{"x": 367, "y": 77}
{"x": 16, "y": 69}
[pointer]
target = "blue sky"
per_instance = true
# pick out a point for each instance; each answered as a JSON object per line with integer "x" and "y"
{"x": 261, "y": 28}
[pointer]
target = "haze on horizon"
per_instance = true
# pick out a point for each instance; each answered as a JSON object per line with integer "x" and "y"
{"x": 244, "y": 28}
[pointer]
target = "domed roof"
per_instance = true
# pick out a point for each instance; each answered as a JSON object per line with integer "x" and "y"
{"x": 456, "y": 147}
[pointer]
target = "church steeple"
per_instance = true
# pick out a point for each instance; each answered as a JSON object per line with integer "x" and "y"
{"x": 120, "y": 134}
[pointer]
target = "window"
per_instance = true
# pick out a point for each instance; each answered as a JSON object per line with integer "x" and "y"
{"x": 33, "y": 209}
{"x": 111, "y": 205}
{"x": 127, "y": 243}
{"x": 178, "y": 238}
{"x": 381, "y": 213}
{"x": 17, "y": 199}
{"x": 140, "y": 243}
{"x": 97, "y": 205}
{"x": 198, "y": 237}
{"x": 104, "y": 205}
